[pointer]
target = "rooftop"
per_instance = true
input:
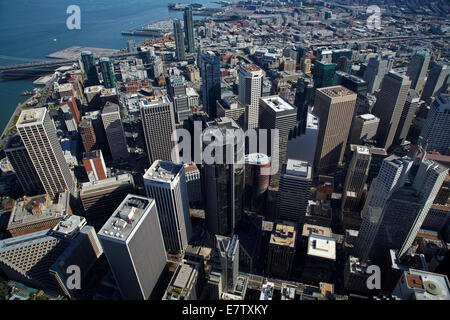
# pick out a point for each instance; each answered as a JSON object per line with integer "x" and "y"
{"x": 163, "y": 171}
{"x": 283, "y": 235}
{"x": 323, "y": 247}
{"x": 427, "y": 285}
{"x": 298, "y": 168}
{"x": 251, "y": 67}
{"x": 358, "y": 266}
{"x": 31, "y": 210}
{"x": 126, "y": 217}
{"x": 368, "y": 117}
{"x": 31, "y": 116}
{"x": 14, "y": 142}
{"x": 336, "y": 91}
{"x": 257, "y": 158}
{"x": 309, "y": 229}
{"x": 110, "y": 183}
{"x": 277, "y": 104}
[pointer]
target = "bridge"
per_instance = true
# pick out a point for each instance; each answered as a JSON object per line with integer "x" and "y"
{"x": 36, "y": 64}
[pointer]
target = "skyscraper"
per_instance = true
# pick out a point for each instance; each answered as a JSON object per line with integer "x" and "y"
{"x": 189, "y": 29}
{"x": 87, "y": 58}
{"x": 223, "y": 181}
{"x": 23, "y": 166}
{"x": 302, "y": 146}
{"x": 407, "y": 116}
{"x": 166, "y": 183}
{"x": 438, "y": 77}
{"x": 364, "y": 128}
{"x": 158, "y": 123}
{"x": 391, "y": 177}
{"x": 323, "y": 74}
{"x": 417, "y": 69}
{"x": 179, "y": 40}
{"x": 211, "y": 79}
{"x": 294, "y": 191}
{"x": 133, "y": 244}
{"x": 436, "y": 130}
{"x": 355, "y": 180}
{"x": 276, "y": 113}
{"x": 377, "y": 68}
{"x": 87, "y": 133}
{"x": 389, "y": 107}
{"x": 177, "y": 94}
{"x": 406, "y": 210}
{"x": 107, "y": 69}
{"x": 228, "y": 248}
{"x": 304, "y": 97}
{"x": 281, "y": 251}
{"x": 38, "y": 133}
{"x": 115, "y": 134}
{"x": 250, "y": 82}
{"x": 335, "y": 108}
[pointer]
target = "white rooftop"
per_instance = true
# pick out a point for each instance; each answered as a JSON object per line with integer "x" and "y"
{"x": 323, "y": 247}
{"x": 368, "y": 116}
{"x": 257, "y": 158}
{"x": 298, "y": 168}
{"x": 31, "y": 116}
{"x": 277, "y": 103}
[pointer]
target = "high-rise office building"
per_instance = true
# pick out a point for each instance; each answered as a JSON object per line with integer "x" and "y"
{"x": 436, "y": 130}
{"x": 189, "y": 29}
{"x": 134, "y": 246}
{"x": 364, "y": 128}
{"x": 302, "y": 146}
{"x": 100, "y": 198}
{"x": 355, "y": 180}
{"x": 228, "y": 249}
{"x": 376, "y": 69}
{"x": 406, "y": 210}
{"x": 417, "y": 69}
{"x": 304, "y": 97}
{"x": 115, "y": 134}
{"x": 222, "y": 180}
{"x": 23, "y": 166}
{"x": 335, "y": 108}
{"x": 93, "y": 133}
{"x": 389, "y": 107}
{"x": 179, "y": 40}
{"x": 323, "y": 74}
{"x": 391, "y": 176}
{"x": 437, "y": 79}
{"x": 94, "y": 164}
{"x": 107, "y": 69}
{"x": 231, "y": 107}
{"x": 179, "y": 98}
{"x": 38, "y": 133}
{"x": 158, "y": 123}
{"x": 250, "y": 81}
{"x": 211, "y": 81}
{"x": 281, "y": 251}
{"x": 257, "y": 169}
{"x": 87, "y": 58}
{"x": 294, "y": 191}
{"x": 276, "y": 113}
{"x": 166, "y": 183}
{"x": 41, "y": 259}
{"x": 407, "y": 116}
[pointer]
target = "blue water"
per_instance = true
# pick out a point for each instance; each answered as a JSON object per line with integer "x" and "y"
{"x": 28, "y": 27}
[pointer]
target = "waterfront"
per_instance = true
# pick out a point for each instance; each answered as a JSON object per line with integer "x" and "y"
{"x": 28, "y": 29}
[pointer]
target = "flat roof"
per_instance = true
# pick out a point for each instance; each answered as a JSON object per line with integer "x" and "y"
{"x": 95, "y": 186}
{"x": 323, "y": 247}
{"x": 368, "y": 116}
{"x": 427, "y": 285}
{"x": 277, "y": 104}
{"x": 31, "y": 116}
{"x": 126, "y": 217}
{"x": 283, "y": 235}
{"x": 298, "y": 168}
{"x": 309, "y": 229}
{"x": 336, "y": 91}
{"x": 163, "y": 171}
{"x": 257, "y": 158}
{"x": 363, "y": 150}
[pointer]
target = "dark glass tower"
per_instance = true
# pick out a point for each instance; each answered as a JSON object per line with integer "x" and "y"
{"x": 189, "y": 29}
{"x": 87, "y": 58}
{"x": 211, "y": 77}
{"x": 179, "y": 40}
{"x": 304, "y": 96}
{"x": 107, "y": 69}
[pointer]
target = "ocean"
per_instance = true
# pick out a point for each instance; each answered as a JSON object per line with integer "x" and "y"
{"x": 28, "y": 29}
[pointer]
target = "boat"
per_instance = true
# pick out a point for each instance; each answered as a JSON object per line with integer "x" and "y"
{"x": 26, "y": 93}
